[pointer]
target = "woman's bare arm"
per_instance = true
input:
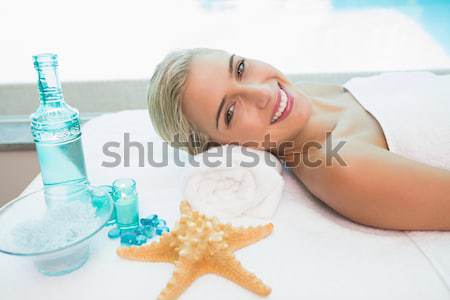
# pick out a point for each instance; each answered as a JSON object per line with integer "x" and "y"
{"x": 381, "y": 189}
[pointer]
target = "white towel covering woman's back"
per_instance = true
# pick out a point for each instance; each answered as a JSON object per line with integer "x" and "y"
{"x": 413, "y": 108}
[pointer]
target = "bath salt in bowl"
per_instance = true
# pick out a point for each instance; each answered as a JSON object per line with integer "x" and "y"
{"x": 53, "y": 226}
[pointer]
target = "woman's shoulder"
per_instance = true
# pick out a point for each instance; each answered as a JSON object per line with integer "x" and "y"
{"x": 319, "y": 89}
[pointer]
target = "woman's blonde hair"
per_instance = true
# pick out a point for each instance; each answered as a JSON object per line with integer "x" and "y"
{"x": 165, "y": 94}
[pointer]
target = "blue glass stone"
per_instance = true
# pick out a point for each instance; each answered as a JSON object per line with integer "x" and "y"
{"x": 153, "y": 216}
{"x": 141, "y": 239}
{"x": 150, "y": 220}
{"x": 140, "y": 230}
{"x": 114, "y": 233}
{"x": 162, "y": 223}
{"x": 155, "y": 220}
{"x": 128, "y": 238}
{"x": 160, "y": 230}
{"x": 149, "y": 231}
{"x": 145, "y": 221}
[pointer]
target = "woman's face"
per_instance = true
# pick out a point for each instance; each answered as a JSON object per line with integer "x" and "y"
{"x": 239, "y": 100}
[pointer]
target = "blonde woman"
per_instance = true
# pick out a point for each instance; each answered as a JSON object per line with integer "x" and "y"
{"x": 207, "y": 96}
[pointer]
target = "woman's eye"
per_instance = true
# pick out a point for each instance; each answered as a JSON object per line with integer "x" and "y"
{"x": 240, "y": 68}
{"x": 229, "y": 115}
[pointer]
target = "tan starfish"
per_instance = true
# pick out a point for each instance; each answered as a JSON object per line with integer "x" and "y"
{"x": 199, "y": 245}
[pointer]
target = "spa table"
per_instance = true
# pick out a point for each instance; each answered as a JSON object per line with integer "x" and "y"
{"x": 312, "y": 253}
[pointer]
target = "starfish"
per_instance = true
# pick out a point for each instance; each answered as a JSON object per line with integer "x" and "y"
{"x": 199, "y": 245}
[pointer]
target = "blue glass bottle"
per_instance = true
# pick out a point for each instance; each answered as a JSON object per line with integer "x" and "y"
{"x": 56, "y": 128}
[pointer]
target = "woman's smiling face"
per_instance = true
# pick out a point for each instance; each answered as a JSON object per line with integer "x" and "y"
{"x": 234, "y": 99}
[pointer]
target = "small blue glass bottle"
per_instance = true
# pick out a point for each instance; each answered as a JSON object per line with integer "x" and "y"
{"x": 56, "y": 128}
{"x": 126, "y": 204}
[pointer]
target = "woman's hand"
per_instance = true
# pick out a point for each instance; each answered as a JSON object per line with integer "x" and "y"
{"x": 381, "y": 189}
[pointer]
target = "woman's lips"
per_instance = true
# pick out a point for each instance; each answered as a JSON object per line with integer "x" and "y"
{"x": 277, "y": 101}
{"x": 289, "y": 105}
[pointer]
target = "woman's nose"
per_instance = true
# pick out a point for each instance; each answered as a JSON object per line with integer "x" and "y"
{"x": 259, "y": 94}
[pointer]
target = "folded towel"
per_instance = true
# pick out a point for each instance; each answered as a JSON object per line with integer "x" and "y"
{"x": 235, "y": 184}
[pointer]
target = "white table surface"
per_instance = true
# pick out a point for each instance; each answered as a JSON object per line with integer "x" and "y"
{"x": 312, "y": 254}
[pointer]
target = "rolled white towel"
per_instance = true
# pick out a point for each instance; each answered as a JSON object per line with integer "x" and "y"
{"x": 235, "y": 184}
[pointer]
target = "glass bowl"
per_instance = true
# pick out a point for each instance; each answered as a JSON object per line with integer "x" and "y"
{"x": 53, "y": 226}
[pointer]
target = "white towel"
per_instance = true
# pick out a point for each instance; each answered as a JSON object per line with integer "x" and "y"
{"x": 413, "y": 108}
{"x": 244, "y": 186}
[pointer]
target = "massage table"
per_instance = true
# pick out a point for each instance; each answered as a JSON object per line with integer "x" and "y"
{"x": 313, "y": 253}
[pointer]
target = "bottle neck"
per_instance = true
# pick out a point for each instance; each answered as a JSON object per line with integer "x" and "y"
{"x": 50, "y": 90}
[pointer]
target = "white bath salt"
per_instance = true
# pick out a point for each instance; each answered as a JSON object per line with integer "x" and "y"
{"x": 58, "y": 227}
